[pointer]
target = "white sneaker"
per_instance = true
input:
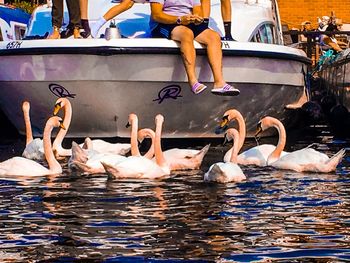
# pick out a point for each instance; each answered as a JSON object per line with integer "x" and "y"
{"x": 97, "y": 26}
{"x": 94, "y": 30}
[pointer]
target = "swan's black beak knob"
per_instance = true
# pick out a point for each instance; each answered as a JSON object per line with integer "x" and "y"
{"x": 223, "y": 126}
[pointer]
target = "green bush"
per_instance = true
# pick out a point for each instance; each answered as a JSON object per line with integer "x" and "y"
{"x": 25, "y": 6}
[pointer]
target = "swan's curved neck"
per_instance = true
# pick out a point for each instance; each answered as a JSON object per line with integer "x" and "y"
{"x": 160, "y": 160}
{"x": 133, "y": 138}
{"x": 57, "y": 144}
{"x": 148, "y": 133}
{"x": 236, "y": 115}
{"x": 236, "y": 144}
{"x": 29, "y": 134}
{"x": 54, "y": 166}
{"x": 282, "y": 137}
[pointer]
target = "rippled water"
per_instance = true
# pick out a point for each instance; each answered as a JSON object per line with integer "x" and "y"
{"x": 274, "y": 216}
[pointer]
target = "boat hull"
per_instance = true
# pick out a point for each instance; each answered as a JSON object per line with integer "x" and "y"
{"x": 335, "y": 76}
{"x": 107, "y": 84}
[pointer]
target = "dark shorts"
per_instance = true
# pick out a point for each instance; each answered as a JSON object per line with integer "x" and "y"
{"x": 164, "y": 30}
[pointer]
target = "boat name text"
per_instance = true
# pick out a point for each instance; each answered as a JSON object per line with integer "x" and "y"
{"x": 225, "y": 44}
{"x": 169, "y": 92}
{"x": 60, "y": 91}
{"x": 14, "y": 44}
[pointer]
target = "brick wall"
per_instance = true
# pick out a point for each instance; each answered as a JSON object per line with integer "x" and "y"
{"x": 294, "y": 12}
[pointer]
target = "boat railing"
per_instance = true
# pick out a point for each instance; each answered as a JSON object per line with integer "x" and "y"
{"x": 311, "y": 44}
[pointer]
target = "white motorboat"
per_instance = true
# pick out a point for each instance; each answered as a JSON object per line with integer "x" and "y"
{"x": 108, "y": 79}
{"x": 13, "y": 22}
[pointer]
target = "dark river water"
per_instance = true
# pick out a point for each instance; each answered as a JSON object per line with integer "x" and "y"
{"x": 274, "y": 216}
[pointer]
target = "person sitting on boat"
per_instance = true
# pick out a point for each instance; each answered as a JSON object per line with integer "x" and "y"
{"x": 225, "y": 14}
{"x": 57, "y": 18}
{"x": 182, "y": 21}
{"x": 111, "y": 13}
{"x": 326, "y": 24}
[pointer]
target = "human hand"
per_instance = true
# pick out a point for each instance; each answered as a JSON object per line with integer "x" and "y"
{"x": 186, "y": 20}
{"x": 198, "y": 19}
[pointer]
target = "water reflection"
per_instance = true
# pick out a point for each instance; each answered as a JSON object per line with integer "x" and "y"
{"x": 274, "y": 215}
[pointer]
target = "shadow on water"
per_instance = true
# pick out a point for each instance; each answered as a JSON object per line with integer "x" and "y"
{"x": 274, "y": 216}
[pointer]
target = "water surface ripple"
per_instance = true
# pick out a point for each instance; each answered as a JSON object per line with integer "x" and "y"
{"x": 273, "y": 216}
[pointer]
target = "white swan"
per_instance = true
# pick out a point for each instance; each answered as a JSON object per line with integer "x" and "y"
{"x": 225, "y": 172}
{"x": 65, "y": 104}
{"x": 19, "y": 166}
{"x": 97, "y": 144}
{"x": 256, "y": 155}
{"x": 92, "y": 164}
{"x": 178, "y": 159}
{"x": 303, "y": 160}
{"x": 34, "y": 149}
{"x": 140, "y": 166}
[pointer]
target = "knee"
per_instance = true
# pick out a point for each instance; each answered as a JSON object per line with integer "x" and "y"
{"x": 213, "y": 37}
{"x": 184, "y": 35}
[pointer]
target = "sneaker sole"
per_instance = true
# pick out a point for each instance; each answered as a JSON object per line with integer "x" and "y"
{"x": 227, "y": 93}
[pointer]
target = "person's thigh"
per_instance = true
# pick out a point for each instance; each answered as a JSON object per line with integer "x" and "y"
{"x": 181, "y": 33}
{"x": 208, "y": 36}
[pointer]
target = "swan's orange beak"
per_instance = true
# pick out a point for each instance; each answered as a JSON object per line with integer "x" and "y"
{"x": 224, "y": 121}
{"x": 62, "y": 126}
{"x": 222, "y": 126}
{"x": 56, "y": 109}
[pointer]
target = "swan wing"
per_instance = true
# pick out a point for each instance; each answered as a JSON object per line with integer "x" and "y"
{"x": 185, "y": 159}
{"x": 22, "y": 167}
{"x": 325, "y": 167}
{"x": 135, "y": 167}
{"x": 116, "y": 148}
{"x": 78, "y": 154}
{"x": 94, "y": 165}
{"x": 34, "y": 150}
{"x": 305, "y": 156}
{"x": 224, "y": 172}
{"x": 177, "y": 153}
{"x": 109, "y": 158}
{"x": 256, "y": 155}
{"x": 308, "y": 159}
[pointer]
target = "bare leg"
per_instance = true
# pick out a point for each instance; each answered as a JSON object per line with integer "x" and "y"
{"x": 84, "y": 9}
{"x": 205, "y": 8}
{"x": 188, "y": 52}
{"x": 226, "y": 10}
{"x": 212, "y": 40}
{"x": 110, "y": 14}
{"x": 118, "y": 9}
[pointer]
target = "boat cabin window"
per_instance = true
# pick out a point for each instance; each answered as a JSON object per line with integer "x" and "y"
{"x": 265, "y": 33}
{"x": 19, "y": 31}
